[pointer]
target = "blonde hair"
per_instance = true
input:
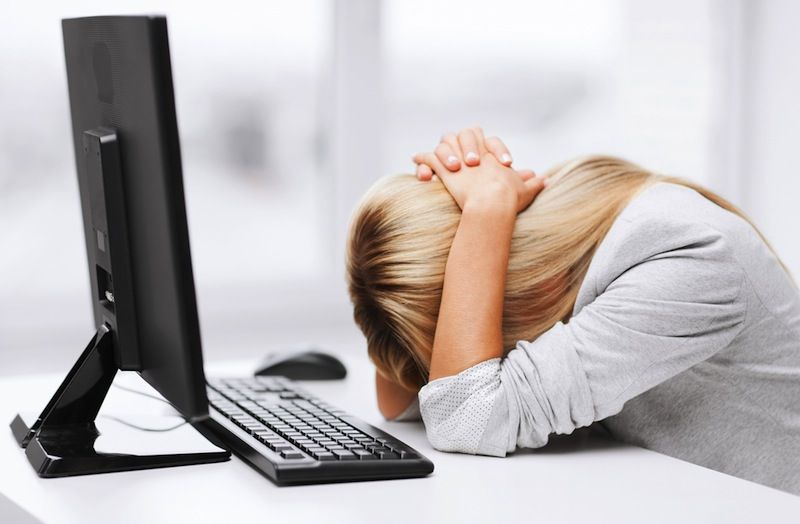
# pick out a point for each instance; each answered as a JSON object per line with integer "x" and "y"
{"x": 401, "y": 233}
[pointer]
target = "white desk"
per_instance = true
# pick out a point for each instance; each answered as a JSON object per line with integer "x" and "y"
{"x": 573, "y": 480}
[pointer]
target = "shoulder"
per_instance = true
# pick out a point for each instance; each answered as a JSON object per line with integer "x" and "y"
{"x": 675, "y": 225}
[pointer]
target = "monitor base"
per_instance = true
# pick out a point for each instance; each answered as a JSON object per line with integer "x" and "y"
{"x": 63, "y": 440}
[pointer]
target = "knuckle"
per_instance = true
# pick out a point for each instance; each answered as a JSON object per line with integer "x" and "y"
{"x": 465, "y": 135}
{"x": 493, "y": 142}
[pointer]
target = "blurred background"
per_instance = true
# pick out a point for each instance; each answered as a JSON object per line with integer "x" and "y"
{"x": 289, "y": 110}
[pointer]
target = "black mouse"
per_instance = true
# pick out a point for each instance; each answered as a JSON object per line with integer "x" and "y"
{"x": 303, "y": 364}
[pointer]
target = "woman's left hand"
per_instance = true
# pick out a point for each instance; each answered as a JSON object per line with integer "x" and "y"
{"x": 488, "y": 183}
{"x": 463, "y": 148}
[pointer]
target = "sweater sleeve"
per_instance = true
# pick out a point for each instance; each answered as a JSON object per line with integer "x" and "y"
{"x": 656, "y": 319}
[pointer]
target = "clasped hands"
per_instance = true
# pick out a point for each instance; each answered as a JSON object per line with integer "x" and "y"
{"x": 477, "y": 172}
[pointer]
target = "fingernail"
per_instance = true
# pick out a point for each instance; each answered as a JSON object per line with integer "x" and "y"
{"x": 506, "y": 158}
{"x": 471, "y": 156}
{"x": 452, "y": 160}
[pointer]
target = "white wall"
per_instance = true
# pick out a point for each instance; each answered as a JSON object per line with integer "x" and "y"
{"x": 771, "y": 137}
{"x": 698, "y": 88}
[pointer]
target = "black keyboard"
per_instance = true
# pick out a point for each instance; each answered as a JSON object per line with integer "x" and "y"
{"x": 295, "y": 438}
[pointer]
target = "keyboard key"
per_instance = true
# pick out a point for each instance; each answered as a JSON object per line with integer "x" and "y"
{"x": 344, "y": 455}
{"x": 290, "y": 395}
{"x": 324, "y": 455}
{"x": 386, "y": 455}
{"x": 363, "y": 454}
{"x": 305, "y": 404}
{"x": 291, "y": 454}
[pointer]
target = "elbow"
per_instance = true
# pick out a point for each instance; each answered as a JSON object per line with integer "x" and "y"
{"x": 458, "y": 411}
{"x": 447, "y": 444}
{"x": 443, "y": 441}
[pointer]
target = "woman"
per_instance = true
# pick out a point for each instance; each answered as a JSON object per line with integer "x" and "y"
{"x": 617, "y": 295}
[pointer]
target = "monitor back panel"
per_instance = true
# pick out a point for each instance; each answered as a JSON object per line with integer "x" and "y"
{"x": 119, "y": 77}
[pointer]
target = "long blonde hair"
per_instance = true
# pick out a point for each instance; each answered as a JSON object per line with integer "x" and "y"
{"x": 401, "y": 233}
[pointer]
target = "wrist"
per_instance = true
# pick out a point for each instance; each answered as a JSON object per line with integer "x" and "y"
{"x": 494, "y": 198}
{"x": 491, "y": 207}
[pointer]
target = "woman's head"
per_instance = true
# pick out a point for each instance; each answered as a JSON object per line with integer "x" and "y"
{"x": 401, "y": 234}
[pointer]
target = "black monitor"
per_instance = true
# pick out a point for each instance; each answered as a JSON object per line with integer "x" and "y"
{"x": 125, "y": 134}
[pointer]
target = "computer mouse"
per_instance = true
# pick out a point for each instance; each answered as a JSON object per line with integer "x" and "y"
{"x": 302, "y": 364}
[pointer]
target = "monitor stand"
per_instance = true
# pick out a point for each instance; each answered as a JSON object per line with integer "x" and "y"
{"x": 63, "y": 440}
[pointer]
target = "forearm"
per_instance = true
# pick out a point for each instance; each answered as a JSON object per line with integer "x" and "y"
{"x": 393, "y": 399}
{"x": 470, "y": 322}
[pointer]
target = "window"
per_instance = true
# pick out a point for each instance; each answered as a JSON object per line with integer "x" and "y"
{"x": 555, "y": 79}
{"x": 250, "y": 86}
{"x": 288, "y": 111}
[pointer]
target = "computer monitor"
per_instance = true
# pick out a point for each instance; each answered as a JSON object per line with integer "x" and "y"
{"x": 128, "y": 160}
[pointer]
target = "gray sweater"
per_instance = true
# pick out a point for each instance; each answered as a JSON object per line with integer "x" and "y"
{"x": 684, "y": 339}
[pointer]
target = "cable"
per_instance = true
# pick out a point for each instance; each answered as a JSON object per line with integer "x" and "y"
{"x": 134, "y": 426}
{"x": 131, "y": 390}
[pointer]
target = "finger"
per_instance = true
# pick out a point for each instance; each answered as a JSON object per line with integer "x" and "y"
{"x": 452, "y": 140}
{"x": 418, "y": 158}
{"x": 531, "y": 188}
{"x": 447, "y": 156}
{"x": 480, "y": 137}
{"x": 469, "y": 147}
{"x": 525, "y": 174}
{"x": 432, "y": 161}
{"x": 496, "y": 147}
{"x": 424, "y": 173}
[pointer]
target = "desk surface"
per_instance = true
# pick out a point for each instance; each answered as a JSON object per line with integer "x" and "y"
{"x": 573, "y": 479}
